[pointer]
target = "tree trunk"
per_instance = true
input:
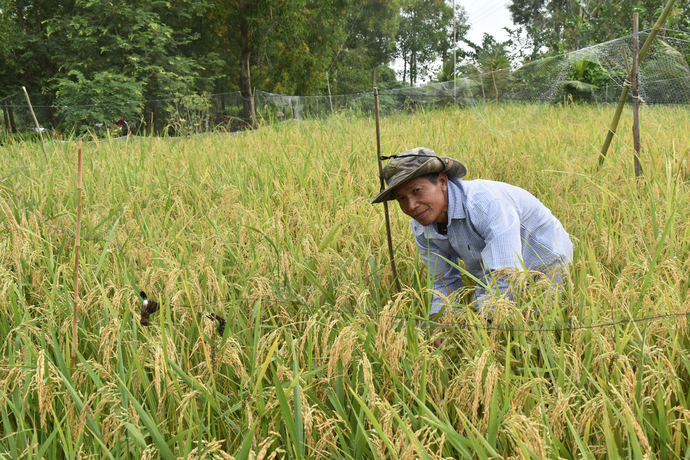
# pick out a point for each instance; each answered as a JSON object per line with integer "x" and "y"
{"x": 53, "y": 118}
{"x": 245, "y": 77}
{"x": 404, "y": 66}
{"x": 373, "y": 76}
{"x": 413, "y": 68}
{"x": 7, "y": 120}
{"x": 13, "y": 125}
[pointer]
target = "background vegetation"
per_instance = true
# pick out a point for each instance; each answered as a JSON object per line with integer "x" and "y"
{"x": 81, "y": 52}
{"x": 320, "y": 358}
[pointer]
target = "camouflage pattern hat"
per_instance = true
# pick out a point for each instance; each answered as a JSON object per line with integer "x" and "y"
{"x": 414, "y": 163}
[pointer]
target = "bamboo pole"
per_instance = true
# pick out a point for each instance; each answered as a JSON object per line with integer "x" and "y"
{"x": 330, "y": 99}
{"x": 628, "y": 70}
{"x": 38, "y": 127}
{"x": 636, "y": 94}
{"x": 383, "y": 185}
{"x": 75, "y": 337}
{"x": 624, "y": 95}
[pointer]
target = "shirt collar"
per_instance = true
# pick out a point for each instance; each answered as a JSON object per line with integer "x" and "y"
{"x": 456, "y": 201}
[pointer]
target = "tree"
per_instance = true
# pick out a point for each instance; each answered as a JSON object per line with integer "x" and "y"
{"x": 565, "y": 25}
{"x": 126, "y": 51}
{"x": 488, "y": 61}
{"x": 282, "y": 45}
{"x": 544, "y": 20}
{"x": 81, "y": 50}
{"x": 586, "y": 77}
{"x": 373, "y": 30}
{"x": 9, "y": 30}
{"x": 423, "y": 35}
{"x": 454, "y": 35}
{"x": 26, "y": 55}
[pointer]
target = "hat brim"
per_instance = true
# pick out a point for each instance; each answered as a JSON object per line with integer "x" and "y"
{"x": 452, "y": 167}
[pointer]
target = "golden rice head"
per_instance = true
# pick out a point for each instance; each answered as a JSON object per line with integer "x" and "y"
{"x": 43, "y": 387}
{"x": 231, "y": 354}
{"x": 209, "y": 450}
{"x": 521, "y": 429}
{"x": 341, "y": 351}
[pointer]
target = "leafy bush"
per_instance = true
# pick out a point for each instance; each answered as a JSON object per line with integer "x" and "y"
{"x": 85, "y": 102}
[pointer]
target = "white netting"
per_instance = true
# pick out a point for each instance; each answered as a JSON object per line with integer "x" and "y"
{"x": 596, "y": 74}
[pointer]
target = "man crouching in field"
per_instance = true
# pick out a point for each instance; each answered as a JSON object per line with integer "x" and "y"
{"x": 494, "y": 228}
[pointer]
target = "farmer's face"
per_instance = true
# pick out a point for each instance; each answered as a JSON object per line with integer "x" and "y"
{"x": 423, "y": 200}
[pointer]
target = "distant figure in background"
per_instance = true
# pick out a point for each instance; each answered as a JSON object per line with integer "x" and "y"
{"x": 495, "y": 228}
{"x": 122, "y": 124}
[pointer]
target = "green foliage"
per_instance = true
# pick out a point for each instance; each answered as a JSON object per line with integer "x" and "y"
{"x": 374, "y": 27}
{"x": 426, "y": 33}
{"x": 29, "y": 57}
{"x": 289, "y": 44}
{"x": 9, "y": 31}
{"x": 586, "y": 77}
{"x": 561, "y": 25}
{"x": 100, "y": 99}
{"x": 129, "y": 49}
{"x": 667, "y": 65}
{"x": 488, "y": 67}
{"x": 141, "y": 40}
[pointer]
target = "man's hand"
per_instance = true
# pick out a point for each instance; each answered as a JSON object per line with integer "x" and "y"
{"x": 438, "y": 341}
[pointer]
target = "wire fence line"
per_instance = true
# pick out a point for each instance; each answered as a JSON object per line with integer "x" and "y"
{"x": 487, "y": 325}
{"x": 596, "y": 74}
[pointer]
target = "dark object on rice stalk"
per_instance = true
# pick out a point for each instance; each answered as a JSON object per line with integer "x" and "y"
{"x": 221, "y": 323}
{"x": 148, "y": 306}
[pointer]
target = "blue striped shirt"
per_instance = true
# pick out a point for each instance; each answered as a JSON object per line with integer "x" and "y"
{"x": 491, "y": 226}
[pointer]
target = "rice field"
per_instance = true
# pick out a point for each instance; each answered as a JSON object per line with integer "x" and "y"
{"x": 321, "y": 356}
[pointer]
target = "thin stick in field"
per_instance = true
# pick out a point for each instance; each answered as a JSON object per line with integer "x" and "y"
{"x": 636, "y": 94}
{"x": 75, "y": 338}
{"x": 38, "y": 127}
{"x": 385, "y": 203}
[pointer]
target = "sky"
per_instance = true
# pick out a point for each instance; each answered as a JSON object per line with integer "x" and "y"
{"x": 488, "y": 16}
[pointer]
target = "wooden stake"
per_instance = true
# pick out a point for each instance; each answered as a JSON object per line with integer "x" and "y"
{"x": 75, "y": 337}
{"x": 38, "y": 127}
{"x": 636, "y": 94}
{"x": 328, "y": 82}
{"x": 383, "y": 185}
{"x": 624, "y": 95}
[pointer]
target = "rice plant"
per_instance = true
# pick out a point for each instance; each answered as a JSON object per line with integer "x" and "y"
{"x": 320, "y": 357}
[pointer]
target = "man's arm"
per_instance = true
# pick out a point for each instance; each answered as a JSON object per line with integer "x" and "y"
{"x": 446, "y": 277}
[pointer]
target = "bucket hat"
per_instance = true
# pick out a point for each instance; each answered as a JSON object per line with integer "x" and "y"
{"x": 414, "y": 163}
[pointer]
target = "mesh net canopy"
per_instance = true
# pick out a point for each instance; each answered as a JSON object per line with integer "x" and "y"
{"x": 596, "y": 74}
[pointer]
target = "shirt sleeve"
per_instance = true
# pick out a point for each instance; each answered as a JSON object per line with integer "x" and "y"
{"x": 445, "y": 275}
{"x": 499, "y": 225}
